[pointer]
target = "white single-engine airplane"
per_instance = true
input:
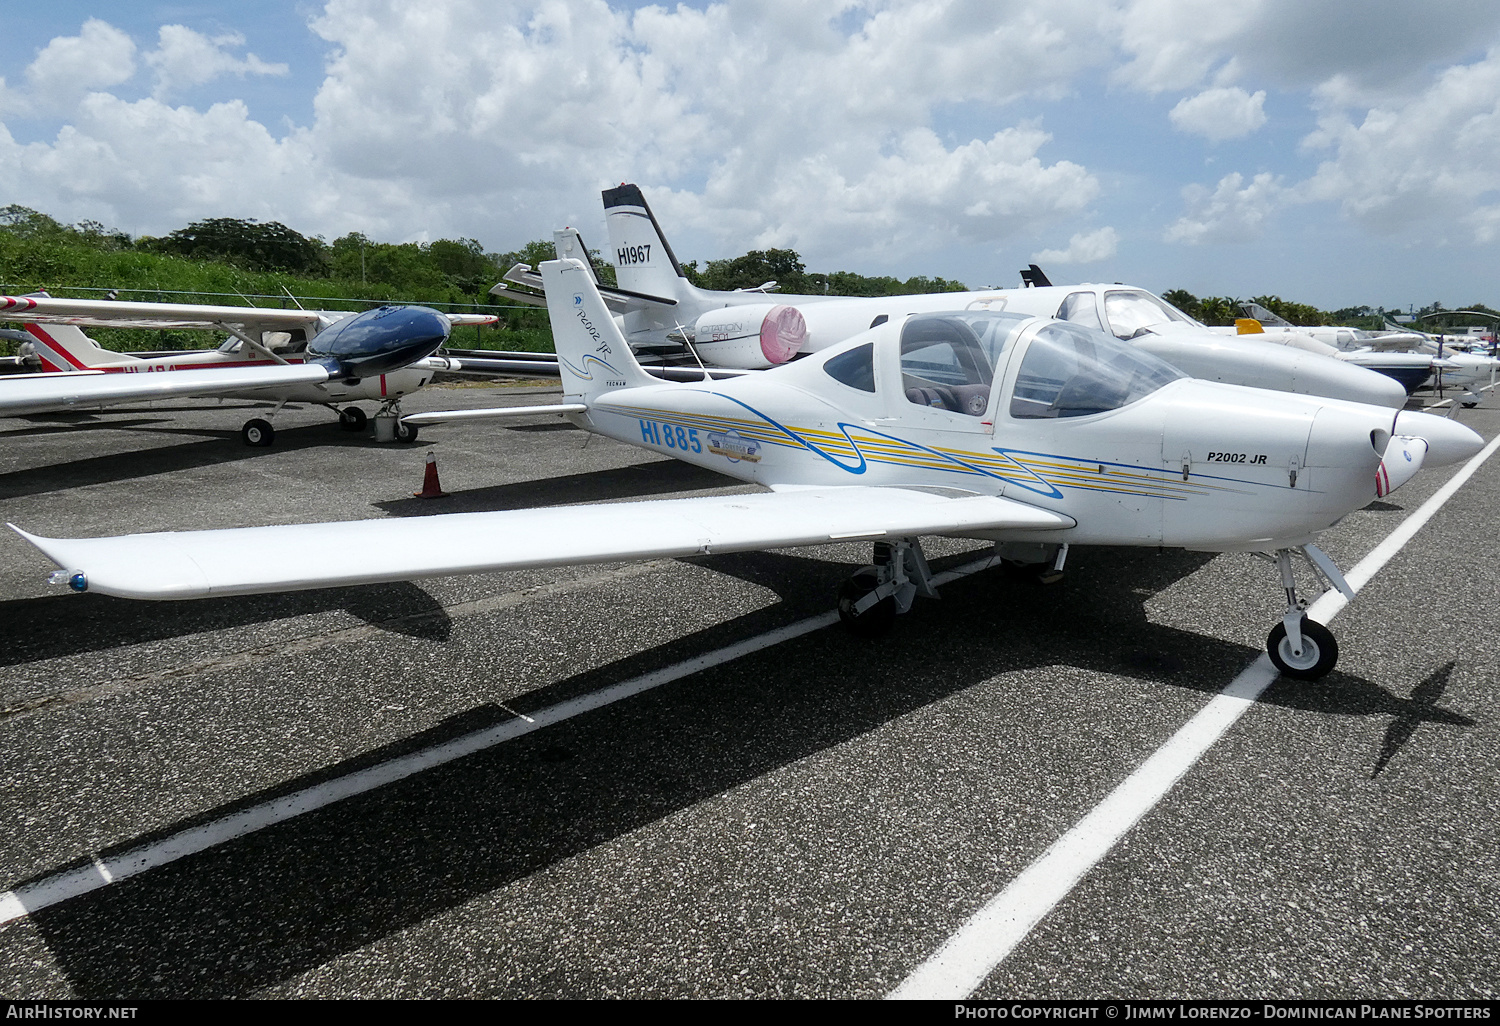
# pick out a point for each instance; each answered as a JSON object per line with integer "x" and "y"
{"x": 1030, "y": 433}
{"x": 656, "y": 305}
{"x": 325, "y": 358}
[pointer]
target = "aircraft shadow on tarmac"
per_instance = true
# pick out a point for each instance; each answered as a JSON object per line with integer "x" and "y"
{"x": 222, "y": 446}
{"x": 267, "y": 907}
{"x": 639, "y": 480}
{"x": 68, "y": 624}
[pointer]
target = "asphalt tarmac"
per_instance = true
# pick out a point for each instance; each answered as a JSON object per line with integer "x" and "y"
{"x": 812, "y": 818}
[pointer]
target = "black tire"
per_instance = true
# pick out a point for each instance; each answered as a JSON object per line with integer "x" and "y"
{"x": 258, "y": 433}
{"x": 352, "y": 418}
{"x": 874, "y": 622}
{"x": 1469, "y": 406}
{"x": 405, "y": 433}
{"x": 1319, "y": 651}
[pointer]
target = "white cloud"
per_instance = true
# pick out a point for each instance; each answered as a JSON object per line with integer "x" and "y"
{"x": 184, "y": 58}
{"x": 827, "y": 125}
{"x": 762, "y": 122}
{"x": 1379, "y": 45}
{"x": 1232, "y": 212}
{"x": 1430, "y": 160}
{"x": 1083, "y": 249}
{"x": 1219, "y": 114}
{"x": 69, "y": 67}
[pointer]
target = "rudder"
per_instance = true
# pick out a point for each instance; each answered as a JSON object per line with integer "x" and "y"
{"x": 644, "y": 262}
{"x": 64, "y": 347}
{"x": 592, "y": 355}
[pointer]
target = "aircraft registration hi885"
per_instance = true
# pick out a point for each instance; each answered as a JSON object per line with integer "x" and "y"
{"x": 1031, "y": 433}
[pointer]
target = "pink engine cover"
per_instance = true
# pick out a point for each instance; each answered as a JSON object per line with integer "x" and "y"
{"x": 782, "y": 333}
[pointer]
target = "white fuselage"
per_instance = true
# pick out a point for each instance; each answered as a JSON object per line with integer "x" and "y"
{"x": 1194, "y": 464}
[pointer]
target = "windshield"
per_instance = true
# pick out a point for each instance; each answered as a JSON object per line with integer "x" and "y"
{"x": 948, "y": 360}
{"x": 1071, "y": 371}
{"x": 1131, "y": 312}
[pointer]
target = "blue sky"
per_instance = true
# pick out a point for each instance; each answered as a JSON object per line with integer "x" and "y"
{"x": 1333, "y": 153}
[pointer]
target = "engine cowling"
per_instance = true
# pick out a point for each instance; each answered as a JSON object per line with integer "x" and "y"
{"x": 751, "y": 337}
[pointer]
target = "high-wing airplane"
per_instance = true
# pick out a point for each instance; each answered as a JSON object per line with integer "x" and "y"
{"x": 1030, "y": 433}
{"x": 331, "y": 359}
{"x": 656, "y": 305}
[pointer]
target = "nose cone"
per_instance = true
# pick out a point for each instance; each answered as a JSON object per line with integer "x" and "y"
{"x": 1447, "y": 441}
{"x": 378, "y": 341}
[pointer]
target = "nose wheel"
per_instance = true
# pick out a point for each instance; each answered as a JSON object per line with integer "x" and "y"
{"x": 1304, "y": 649}
{"x": 1319, "y": 650}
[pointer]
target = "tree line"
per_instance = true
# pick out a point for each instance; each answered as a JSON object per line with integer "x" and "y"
{"x": 218, "y": 258}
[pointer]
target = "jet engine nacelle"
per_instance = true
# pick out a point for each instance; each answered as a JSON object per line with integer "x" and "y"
{"x": 752, "y": 337}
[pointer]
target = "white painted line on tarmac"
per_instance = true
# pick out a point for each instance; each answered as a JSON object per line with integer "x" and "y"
{"x": 60, "y": 887}
{"x": 992, "y": 933}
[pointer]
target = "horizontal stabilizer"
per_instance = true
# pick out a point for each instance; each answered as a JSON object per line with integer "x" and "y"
{"x": 252, "y": 560}
{"x": 493, "y": 413}
{"x": 618, "y": 300}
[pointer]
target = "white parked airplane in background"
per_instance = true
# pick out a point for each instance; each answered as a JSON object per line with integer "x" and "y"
{"x": 1449, "y": 367}
{"x": 331, "y": 359}
{"x": 656, "y": 305}
{"x": 1030, "y": 433}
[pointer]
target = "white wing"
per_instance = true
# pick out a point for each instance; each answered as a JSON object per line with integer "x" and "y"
{"x": 252, "y": 560}
{"x": 114, "y": 314}
{"x": 45, "y": 393}
{"x": 111, "y": 313}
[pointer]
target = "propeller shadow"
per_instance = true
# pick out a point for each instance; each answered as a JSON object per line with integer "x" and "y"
{"x": 269, "y": 906}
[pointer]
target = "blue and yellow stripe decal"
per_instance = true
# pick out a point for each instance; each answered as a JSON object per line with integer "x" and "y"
{"x": 853, "y": 448}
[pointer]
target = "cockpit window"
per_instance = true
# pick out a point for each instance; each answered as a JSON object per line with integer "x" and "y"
{"x": 1080, "y": 308}
{"x": 948, "y": 360}
{"x": 1130, "y": 313}
{"x": 856, "y": 368}
{"x": 1070, "y": 371}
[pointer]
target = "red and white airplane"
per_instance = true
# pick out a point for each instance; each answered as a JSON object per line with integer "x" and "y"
{"x": 271, "y": 354}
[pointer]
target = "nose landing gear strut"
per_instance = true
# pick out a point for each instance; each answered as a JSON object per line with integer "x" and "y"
{"x": 1304, "y": 649}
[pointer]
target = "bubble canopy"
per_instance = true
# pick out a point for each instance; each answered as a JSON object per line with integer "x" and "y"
{"x": 1069, "y": 370}
{"x": 378, "y": 341}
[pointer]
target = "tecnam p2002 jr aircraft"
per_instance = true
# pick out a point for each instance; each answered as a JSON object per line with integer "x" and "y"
{"x": 977, "y": 424}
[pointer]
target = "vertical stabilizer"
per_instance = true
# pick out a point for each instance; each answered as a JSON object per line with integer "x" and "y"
{"x": 591, "y": 353}
{"x": 64, "y": 347}
{"x": 643, "y": 260}
{"x": 569, "y": 245}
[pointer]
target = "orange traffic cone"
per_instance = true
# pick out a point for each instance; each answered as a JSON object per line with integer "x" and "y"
{"x": 430, "y": 487}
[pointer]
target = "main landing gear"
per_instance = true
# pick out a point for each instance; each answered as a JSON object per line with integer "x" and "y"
{"x": 870, "y": 600}
{"x": 1304, "y": 649}
{"x": 258, "y": 432}
{"x": 389, "y": 426}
